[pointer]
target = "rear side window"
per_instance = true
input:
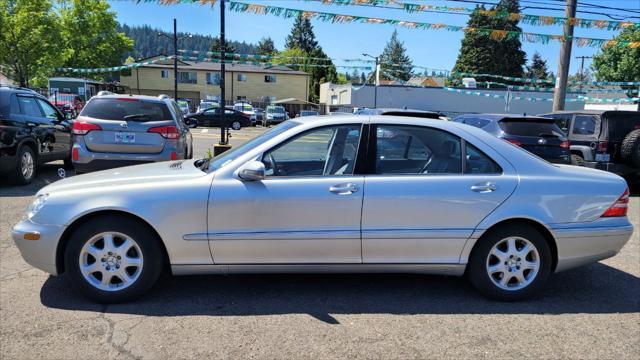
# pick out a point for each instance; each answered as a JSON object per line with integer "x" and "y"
{"x": 620, "y": 125}
{"x": 479, "y": 163}
{"x": 584, "y": 125}
{"x": 529, "y": 127}
{"x": 28, "y": 106}
{"x": 123, "y": 109}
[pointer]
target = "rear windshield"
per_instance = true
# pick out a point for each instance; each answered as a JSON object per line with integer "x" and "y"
{"x": 124, "y": 109}
{"x": 275, "y": 110}
{"x": 620, "y": 124}
{"x": 530, "y": 127}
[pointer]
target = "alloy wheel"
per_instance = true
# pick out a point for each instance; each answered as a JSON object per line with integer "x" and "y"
{"x": 27, "y": 165}
{"x": 111, "y": 261}
{"x": 236, "y": 125}
{"x": 513, "y": 263}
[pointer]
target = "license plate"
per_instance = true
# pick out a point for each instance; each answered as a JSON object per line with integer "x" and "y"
{"x": 125, "y": 137}
{"x": 603, "y": 157}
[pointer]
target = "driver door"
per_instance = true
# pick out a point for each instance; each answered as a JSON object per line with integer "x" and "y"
{"x": 306, "y": 210}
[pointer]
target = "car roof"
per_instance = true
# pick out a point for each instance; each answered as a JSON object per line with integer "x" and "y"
{"x": 498, "y": 117}
{"x": 595, "y": 112}
{"x": 18, "y": 90}
{"x": 131, "y": 96}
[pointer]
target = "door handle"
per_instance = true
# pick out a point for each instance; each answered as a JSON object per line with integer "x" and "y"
{"x": 484, "y": 187}
{"x": 344, "y": 189}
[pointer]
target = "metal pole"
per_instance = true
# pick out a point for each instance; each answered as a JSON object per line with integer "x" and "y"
{"x": 175, "y": 59}
{"x": 565, "y": 58}
{"x": 223, "y": 130}
{"x": 582, "y": 68}
{"x": 375, "y": 93}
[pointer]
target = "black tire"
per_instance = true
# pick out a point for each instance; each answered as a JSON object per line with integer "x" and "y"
{"x": 477, "y": 268}
{"x": 17, "y": 176}
{"x": 148, "y": 243}
{"x": 68, "y": 163}
{"x": 577, "y": 160}
{"x": 630, "y": 149}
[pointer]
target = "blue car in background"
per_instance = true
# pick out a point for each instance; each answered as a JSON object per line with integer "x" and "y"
{"x": 538, "y": 135}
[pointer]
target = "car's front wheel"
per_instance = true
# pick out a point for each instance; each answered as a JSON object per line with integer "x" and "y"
{"x": 113, "y": 259}
{"x": 510, "y": 263}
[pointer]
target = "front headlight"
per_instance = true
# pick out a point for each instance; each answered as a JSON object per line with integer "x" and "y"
{"x": 36, "y": 205}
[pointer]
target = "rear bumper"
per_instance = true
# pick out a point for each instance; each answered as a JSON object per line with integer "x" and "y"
{"x": 620, "y": 169}
{"x": 94, "y": 161}
{"x": 586, "y": 243}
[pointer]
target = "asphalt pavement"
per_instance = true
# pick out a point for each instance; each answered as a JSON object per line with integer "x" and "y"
{"x": 588, "y": 313}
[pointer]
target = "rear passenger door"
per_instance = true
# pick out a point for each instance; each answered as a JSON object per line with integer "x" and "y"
{"x": 425, "y": 192}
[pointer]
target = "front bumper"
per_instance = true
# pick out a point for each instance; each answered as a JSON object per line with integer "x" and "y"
{"x": 586, "y": 243}
{"x": 40, "y": 253}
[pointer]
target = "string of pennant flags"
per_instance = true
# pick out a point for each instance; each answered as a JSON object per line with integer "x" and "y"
{"x": 536, "y": 20}
{"x": 508, "y": 96}
{"x": 545, "y": 81}
{"x": 550, "y": 89}
{"x": 269, "y": 64}
{"x": 498, "y": 35}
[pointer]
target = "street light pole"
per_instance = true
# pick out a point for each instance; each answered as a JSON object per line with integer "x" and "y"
{"x": 377, "y": 79}
{"x": 582, "y": 68}
{"x": 223, "y": 127}
{"x": 175, "y": 59}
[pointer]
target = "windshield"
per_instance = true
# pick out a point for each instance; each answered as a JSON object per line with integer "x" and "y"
{"x": 207, "y": 105}
{"x": 123, "y": 109}
{"x": 245, "y": 107}
{"x": 535, "y": 128}
{"x": 183, "y": 103}
{"x": 227, "y": 157}
{"x": 275, "y": 109}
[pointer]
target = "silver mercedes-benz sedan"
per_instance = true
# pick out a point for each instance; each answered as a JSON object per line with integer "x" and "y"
{"x": 332, "y": 194}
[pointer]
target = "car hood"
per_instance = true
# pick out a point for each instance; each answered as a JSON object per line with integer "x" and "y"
{"x": 129, "y": 175}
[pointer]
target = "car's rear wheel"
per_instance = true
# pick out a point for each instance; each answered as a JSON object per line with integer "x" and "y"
{"x": 577, "y": 160}
{"x": 236, "y": 125}
{"x": 510, "y": 263}
{"x": 26, "y": 166}
{"x": 113, "y": 259}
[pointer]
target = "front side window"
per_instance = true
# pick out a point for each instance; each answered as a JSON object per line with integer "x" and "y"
{"x": 49, "y": 111}
{"x": 325, "y": 151}
{"x": 416, "y": 150}
{"x": 584, "y": 125}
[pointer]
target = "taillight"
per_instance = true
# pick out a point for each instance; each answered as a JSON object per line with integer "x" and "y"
{"x": 619, "y": 208}
{"x": 167, "y": 132}
{"x": 75, "y": 154}
{"x": 565, "y": 144}
{"x": 174, "y": 155}
{"x": 513, "y": 141}
{"x": 602, "y": 146}
{"x": 82, "y": 128}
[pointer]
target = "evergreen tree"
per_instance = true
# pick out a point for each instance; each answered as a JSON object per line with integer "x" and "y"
{"x": 363, "y": 78}
{"x": 229, "y": 47}
{"x": 394, "y": 61}
{"x": 266, "y": 46}
{"x": 479, "y": 53}
{"x": 538, "y": 68}
{"x": 302, "y": 36}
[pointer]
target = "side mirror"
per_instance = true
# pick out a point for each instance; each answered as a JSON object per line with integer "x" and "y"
{"x": 252, "y": 171}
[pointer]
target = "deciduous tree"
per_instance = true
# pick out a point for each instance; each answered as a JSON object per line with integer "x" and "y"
{"x": 619, "y": 63}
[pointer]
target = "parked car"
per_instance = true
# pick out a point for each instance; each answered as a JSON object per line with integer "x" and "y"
{"x": 184, "y": 106}
{"x": 204, "y": 105}
{"x": 605, "y": 140}
{"x": 538, "y": 135}
{"x": 274, "y": 114}
{"x": 400, "y": 112}
{"x": 211, "y": 118}
{"x": 258, "y": 116}
{"x": 32, "y": 132}
{"x": 308, "y": 113}
{"x": 323, "y": 195}
{"x": 69, "y": 104}
{"x": 119, "y": 130}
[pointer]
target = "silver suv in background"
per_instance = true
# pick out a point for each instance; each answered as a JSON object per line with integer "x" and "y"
{"x": 120, "y": 130}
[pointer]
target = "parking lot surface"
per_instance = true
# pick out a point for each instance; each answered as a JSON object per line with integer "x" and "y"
{"x": 588, "y": 313}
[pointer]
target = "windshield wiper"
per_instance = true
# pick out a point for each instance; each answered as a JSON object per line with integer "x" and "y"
{"x": 137, "y": 117}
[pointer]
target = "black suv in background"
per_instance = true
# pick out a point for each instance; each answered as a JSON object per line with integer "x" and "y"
{"x": 537, "y": 135}
{"x": 605, "y": 140}
{"x": 32, "y": 132}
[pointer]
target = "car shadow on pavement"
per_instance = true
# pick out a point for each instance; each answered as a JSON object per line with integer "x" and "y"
{"x": 597, "y": 288}
{"x": 47, "y": 174}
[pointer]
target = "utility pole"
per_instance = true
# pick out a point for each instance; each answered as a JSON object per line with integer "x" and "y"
{"x": 377, "y": 79}
{"x": 582, "y": 67}
{"x": 223, "y": 145}
{"x": 565, "y": 57}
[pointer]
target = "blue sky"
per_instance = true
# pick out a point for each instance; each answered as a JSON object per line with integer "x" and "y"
{"x": 436, "y": 49}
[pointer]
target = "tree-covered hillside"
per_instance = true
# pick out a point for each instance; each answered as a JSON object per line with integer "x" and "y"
{"x": 148, "y": 43}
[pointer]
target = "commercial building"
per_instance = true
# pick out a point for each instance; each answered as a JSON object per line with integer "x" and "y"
{"x": 201, "y": 80}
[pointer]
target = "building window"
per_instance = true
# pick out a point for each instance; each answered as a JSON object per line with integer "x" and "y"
{"x": 241, "y": 98}
{"x": 187, "y": 77}
{"x": 334, "y": 99}
{"x": 269, "y": 78}
{"x": 213, "y": 78}
{"x": 241, "y": 77}
{"x": 164, "y": 74}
